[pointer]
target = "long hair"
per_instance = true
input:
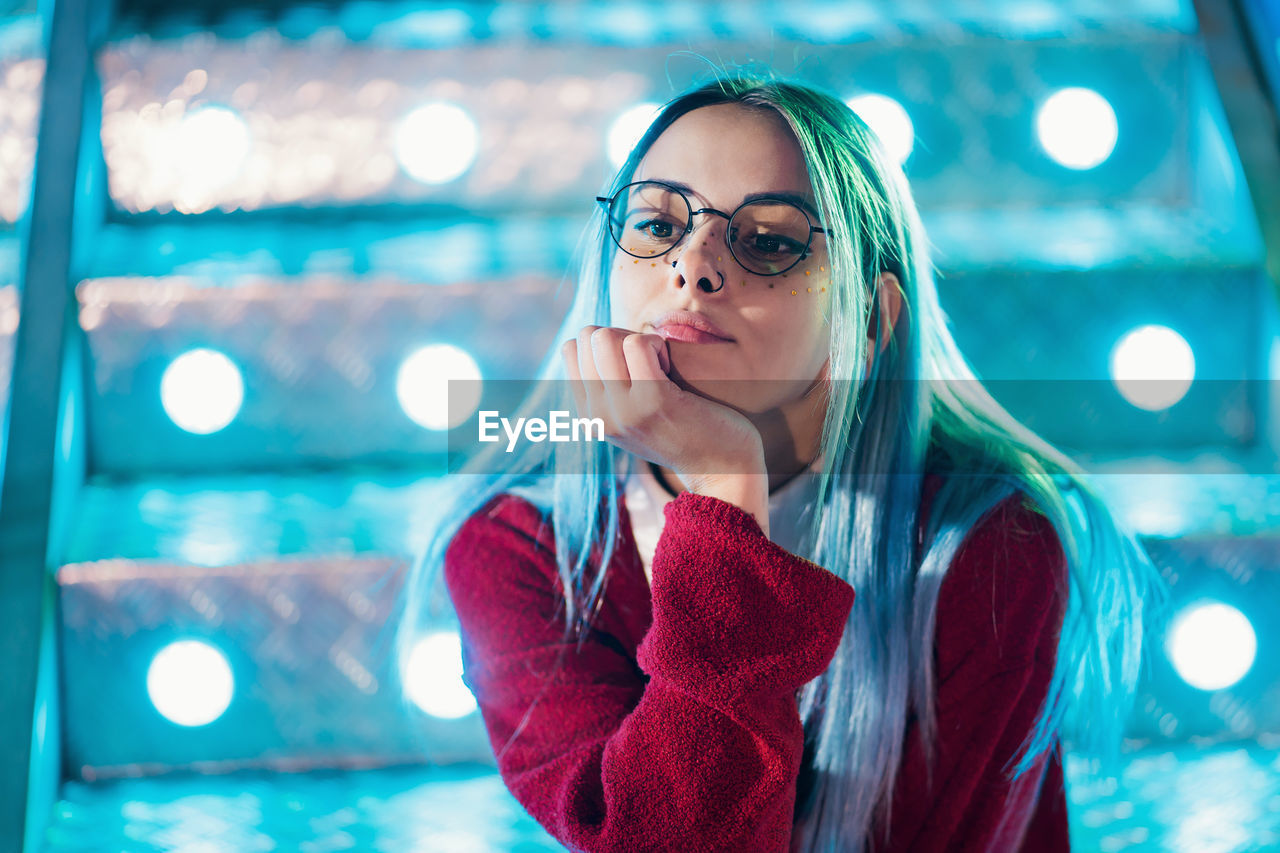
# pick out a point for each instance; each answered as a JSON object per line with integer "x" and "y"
{"x": 919, "y": 408}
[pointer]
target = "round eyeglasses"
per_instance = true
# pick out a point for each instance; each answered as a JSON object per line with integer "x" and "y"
{"x": 765, "y": 236}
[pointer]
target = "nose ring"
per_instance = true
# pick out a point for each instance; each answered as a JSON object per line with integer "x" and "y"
{"x": 707, "y": 288}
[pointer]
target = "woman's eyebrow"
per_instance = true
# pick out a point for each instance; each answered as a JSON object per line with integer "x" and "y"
{"x": 794, "y": 198}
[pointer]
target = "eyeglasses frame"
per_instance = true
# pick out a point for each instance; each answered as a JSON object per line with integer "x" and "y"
{"x": 607, "y": 204}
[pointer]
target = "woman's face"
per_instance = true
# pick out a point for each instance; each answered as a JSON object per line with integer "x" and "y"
{"x": 780, "y": 338}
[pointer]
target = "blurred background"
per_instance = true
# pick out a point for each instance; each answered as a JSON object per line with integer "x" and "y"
{"x": 243, "y": 245}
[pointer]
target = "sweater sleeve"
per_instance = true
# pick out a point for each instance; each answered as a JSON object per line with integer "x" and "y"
{"x": 999, "y": 616}
{"x": 694, "y": 744}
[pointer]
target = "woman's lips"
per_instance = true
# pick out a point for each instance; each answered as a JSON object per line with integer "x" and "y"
{"x": 689, "y": 335}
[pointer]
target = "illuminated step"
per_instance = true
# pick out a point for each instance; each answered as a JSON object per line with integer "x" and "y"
{"x": 279, "y": 593}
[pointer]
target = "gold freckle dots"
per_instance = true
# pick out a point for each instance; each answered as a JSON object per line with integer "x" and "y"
{"x": 653, "y": 264}
{"x": 808, "y": 290}
{"x": 806, "y": 272}
{"x": 793, "y": 293}
{"x": 718, "y": 258}
{"x": 822, "y": 269}
{"x": 636, "y": 261}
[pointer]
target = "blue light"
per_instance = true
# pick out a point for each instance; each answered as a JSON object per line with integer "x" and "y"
{"x": 190, "y": 683}
{"x": 1161, "y": 515}
{"x": 205, "y": 547}
{"x": 1211, "y": 645}
{"x": 1152, "y": 367}
{"x": 1077, "y": 127}
{"x": 422, "y": 386}
{"x": 436, "y": 143}
{"x": 433, "y": 677}
{"x": 627, "y": 129}
{"x": 831, "y": 23}
{"x": 889, "y": 121}
{"x": 621, "y": 23}
{"x": 201, "y": 391}
{"x": 440, "y": 27}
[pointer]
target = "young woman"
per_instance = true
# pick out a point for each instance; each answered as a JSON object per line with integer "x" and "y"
{"x": 817, "y": 590}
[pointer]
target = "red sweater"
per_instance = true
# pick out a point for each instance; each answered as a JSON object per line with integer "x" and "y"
{"x": 676, "y": 727}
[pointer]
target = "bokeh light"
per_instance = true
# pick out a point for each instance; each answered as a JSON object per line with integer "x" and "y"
{"x": 433, "y": 678}
{"x": 190, "y": 683}
{"x": 21, "y": 82}
{"x": 627, "y": 129}
{"x": 436, "y": 143}
{"x": 1211, "y": 645}
{"x": 890, "y": 122}
{"x": 1152, "y": 367}
{"x": 1077, "y": 127}
{"x": 201, "y": 391}
{"x": 422, "y": 386}
{"x": 210, "y": 145}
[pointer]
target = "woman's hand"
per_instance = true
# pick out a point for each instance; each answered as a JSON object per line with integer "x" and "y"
{"x": 622, "y": 378}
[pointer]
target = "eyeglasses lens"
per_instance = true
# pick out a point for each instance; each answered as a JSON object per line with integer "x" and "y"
{"x": 648, "y": 219}
{"x": 769, "y": 237}
{"x": 766, "y": 237}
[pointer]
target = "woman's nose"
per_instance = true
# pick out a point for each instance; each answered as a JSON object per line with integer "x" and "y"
{"x": 699, "y": 265}
{"x": 703, "y": 256}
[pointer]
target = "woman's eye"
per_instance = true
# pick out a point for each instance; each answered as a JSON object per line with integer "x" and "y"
{"x": 648, "y": 225}
{"x": 770, "y": 243}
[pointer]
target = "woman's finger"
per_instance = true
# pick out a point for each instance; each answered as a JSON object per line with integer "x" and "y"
{"x": 597, "y": 402}
{"x": 645, "y": 366}
{"x": 606, "y": 346}
{"x": 611, "y": 364}
{"x": 569, "y": 352}
{"x": 586, "y": 360}
{"x": 647, "y": 356}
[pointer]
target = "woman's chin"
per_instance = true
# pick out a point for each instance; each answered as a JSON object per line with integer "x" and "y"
{"x": 713, "y": 379}
{"x": 726, "y": 392}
